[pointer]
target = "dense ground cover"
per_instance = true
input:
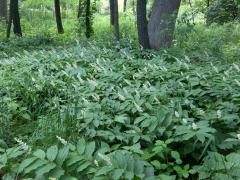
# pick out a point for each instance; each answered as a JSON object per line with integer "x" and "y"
{"x": 165, "y": 116}
{"x": 97, "y": 109}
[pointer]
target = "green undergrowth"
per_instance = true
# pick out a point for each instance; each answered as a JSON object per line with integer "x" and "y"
{"x": 92, "y": 112}
{"x": 77, "y": 108}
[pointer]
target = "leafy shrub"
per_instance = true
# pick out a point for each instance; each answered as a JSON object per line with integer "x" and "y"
{"x": 166, "y": 114}
{"x": 222, "y": 11}
{"x": 69, "y": 161}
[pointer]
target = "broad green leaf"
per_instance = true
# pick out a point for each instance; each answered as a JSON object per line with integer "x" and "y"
{"x": 90, "y": 148}
{"x": 40, "y": 154}
{"x": 74, "y": 159}
{"x": 117, "y": 174}
{"x": 56, "y": 172}
{"x": 81, "y": 145}
{"x": 83, "y": 166}
{"x": 52, "y": 153}
{"x": 34, "y": 166}
{"x": 104, "y": 170}
{"x": 45, "y": 169}
{"x": 62, "y": 155}
{"x": 26, "y": 163}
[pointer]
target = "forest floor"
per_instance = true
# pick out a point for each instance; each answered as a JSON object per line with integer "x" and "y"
{"x": 168, "y": 109}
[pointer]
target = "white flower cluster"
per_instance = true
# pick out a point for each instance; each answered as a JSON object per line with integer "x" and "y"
{"x": 22, "y": 144}
{"x": 105, "y": 158}
{"x": 238, "y": 136}
{"x": 219, "y": 114}
{"x": 194, "y": 126}
{"x": 63, "y": 141}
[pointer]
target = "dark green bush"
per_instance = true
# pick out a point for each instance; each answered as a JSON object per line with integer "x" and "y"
{"x": 222, "y": 11}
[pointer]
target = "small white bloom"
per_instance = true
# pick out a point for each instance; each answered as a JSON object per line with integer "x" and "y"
{"x": 139, "y": 109}
{"x": 85, "y": 100}
{"x": 96, "y": 163}
{"x": 52, "y": 178}
{"x": 121, "y": 97}
{"x": 162, "y": 78}
{"x": 201, "y": 112}
{"x": 22, "y": 144}
{"x": 187, "y": 101}
{"x": 219, "y": 114}
{"x": 214, "y": 68}
{"x": 63, "y": 141}
{"x": 145, "y": 87}
{"x": 185, "y": 121}
{"x": 157, "y": 101}
{"x": 194, "y": 126}
{"x": 128, "y": 82}
{"x": 198, "y": 75}
{"x": 226, "y": 73}
{"x": 92, "y": 82}
{"x": 125, "y": 91}
{"x": 238, "y": 136}
{"x": 181, "y": 84}
{"x": 145, "y": 69}
{"x": 105, "y": 158}
{"x": 224, "y": 78}
{"x": 165, "y": 69}
{"x": 137, "y": 93}
{"x": 238, "y": 83}
{"x": 96, "y": 97}
{"x": 177, "y": 114}
{"x": 186, "y": 65}
{"x": 236, "y": 67}
{"x": 33, "y": 80}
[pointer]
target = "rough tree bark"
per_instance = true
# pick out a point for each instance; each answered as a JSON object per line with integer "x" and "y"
{"x": 58, "y": 16}
{"x": 111, "y": 7}
{"x": 162, "y": 23}
{"x": 124, "y": 5}
{"x": 3, "y": 9}
{"x": 142, "y": 24}
{"x": 208, "y": 3}
{"x": 80, "y": 9}
{"x": 14, "y": 18}
{"x": 116, "y": 20}
{"x": 89, "y": 30}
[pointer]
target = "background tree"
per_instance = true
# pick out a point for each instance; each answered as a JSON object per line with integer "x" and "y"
{"x": 3, "y": 9}
{"x": 14, "y": 18}
{"x": 116, "y": 20}
{"x": 222, "y": 11}
{"x": 58, "y": 16}
{"x": 142, "y": 23}
{"x": 124, "y": 5}
{"x": 80, "y": 8}
{"x": 89, "y": 30}
{"x": 162, "y": 23}
{"x": 111, "y": 4}
{"x": 208, "y": 3}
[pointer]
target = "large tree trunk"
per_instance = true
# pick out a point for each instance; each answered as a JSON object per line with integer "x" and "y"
{"x": 162, "y": 23}
{"x": 58, "y": 16}
{"x": 14, "y": 18}
{"x": 80, "y": 9}
{"x": 116, "y": 20}
{"x": 142, "y": 23}
{"x": 124, "y": 5}
{"x": 89, "y": 29}
{"x": 208, "y": 3}
{"x": 10, "y": 19}
{"x": 3, "y": 9}
{"x": 111, "y": 7}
